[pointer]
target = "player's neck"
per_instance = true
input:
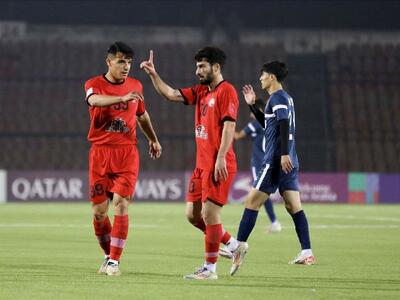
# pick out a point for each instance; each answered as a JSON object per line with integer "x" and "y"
{"x": 112, "y": 79}
{"x": 274, "y": 87}
{"x": 217, "y": 80}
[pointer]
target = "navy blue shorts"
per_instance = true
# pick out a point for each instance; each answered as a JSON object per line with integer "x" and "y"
{"x": 271, "y": 178}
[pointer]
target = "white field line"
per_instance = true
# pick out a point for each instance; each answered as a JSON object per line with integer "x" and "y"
{"x": 352, "y": 217}
{"x": 155, "y": 226}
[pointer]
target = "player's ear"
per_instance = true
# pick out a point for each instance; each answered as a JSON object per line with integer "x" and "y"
{"x": 216, "y": 67}
{"x": 108, "y": 59}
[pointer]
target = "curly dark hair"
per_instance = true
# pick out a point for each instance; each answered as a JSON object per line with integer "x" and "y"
{"x": 213, "y": 55}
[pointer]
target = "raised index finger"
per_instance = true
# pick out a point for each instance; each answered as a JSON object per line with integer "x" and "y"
{"x": 151, "y": 56}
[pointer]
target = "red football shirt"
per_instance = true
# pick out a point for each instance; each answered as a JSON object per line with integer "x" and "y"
{"x": 212, "y": 109}
{"x": 115, "y": 124}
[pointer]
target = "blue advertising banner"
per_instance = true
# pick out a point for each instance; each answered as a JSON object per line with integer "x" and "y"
{"x": 389, "y": 190}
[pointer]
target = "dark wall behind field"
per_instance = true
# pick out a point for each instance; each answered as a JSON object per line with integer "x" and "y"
{"x": 381, "y": 15}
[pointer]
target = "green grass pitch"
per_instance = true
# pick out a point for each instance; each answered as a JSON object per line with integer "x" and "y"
{"x": 48, "y": 251}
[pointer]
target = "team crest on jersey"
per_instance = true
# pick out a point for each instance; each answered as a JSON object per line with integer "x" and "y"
{"x": 117, "y": 125}
{"x": 211, "y": 102}
{"x": 201, "y": 132}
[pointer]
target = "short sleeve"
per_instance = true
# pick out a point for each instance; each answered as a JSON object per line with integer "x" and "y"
{"x": 141, "y": 108}
{"x": 189, "y": 95}
{"x": 91, "y": 89}
{"x": 280, "y": 107}
{"x": 229, "y": 103}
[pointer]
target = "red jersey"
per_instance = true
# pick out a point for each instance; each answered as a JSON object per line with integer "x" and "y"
{"x": 212, "y": 109}
{"x": 114, "y": 124}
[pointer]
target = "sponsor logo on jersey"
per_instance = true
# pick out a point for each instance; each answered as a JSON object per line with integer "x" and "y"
{"x": 117, "y": 125}
{"x": 211, "y": 102}
{"x": 201, "y": 132}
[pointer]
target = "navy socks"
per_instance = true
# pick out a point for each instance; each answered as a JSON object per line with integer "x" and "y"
{"x": 247, "y": 224}
{"x": 301, "y": 225}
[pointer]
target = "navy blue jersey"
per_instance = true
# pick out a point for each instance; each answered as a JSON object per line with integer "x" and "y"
{"x": 280, "y": 106}
{"x": 254, "y": 130}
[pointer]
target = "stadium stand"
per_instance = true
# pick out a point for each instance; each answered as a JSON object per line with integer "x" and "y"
{"x": 352, "y": 89}
{"x": 44, "y": 116}
{"x": 363, "y": 98}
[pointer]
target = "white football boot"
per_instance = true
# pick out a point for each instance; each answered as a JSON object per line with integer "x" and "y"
{"x": 202, "y": 273}
{"x": 305, "y": 257}
{"x": 238, "y": 257}
{"x": 112, "y": 268}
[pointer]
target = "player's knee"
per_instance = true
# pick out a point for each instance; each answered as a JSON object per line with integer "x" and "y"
{"x": 208, "y": 219}
{"x": 121, "y": 205}
{"x": 295, "y": 209}
{"x": 288, "y": 207}
{"x": 100, "y": 216}
{"x": 253, "y": 203}
{"x": 292, "y": 208}
{"x": 192, "y": 219}
{"x": 193, "y": 213}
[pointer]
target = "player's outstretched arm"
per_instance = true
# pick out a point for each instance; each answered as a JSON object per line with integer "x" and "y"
{"x": 146, "y": 126}
{"x": 220, "y": 170}
{"x": 161, "y": 87}
{"x": 104, "y": 100}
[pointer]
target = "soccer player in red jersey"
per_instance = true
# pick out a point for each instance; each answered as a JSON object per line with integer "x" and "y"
{"x": 216, "y": 104}
{"x": 115, "y": 104}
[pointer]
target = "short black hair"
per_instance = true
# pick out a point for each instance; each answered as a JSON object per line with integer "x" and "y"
{"x": 213, "y": 55}
{"x": 277, "y": 68}
{"x": 120, "y": 47}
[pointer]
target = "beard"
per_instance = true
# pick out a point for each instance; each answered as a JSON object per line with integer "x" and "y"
{"x": 207, "y": 79}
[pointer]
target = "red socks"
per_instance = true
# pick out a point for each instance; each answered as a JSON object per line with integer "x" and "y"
{"x": 102, "y": 231}
{"x": 118, "y": 236}
{"x": 212, "y": 240}
{"x": 226, "y": 236}
{"x": 112, "y": 238}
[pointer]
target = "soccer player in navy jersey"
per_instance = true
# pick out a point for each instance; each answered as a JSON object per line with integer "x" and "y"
{"x": 255, "y": 131}
{"x": 280, "y": 165}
